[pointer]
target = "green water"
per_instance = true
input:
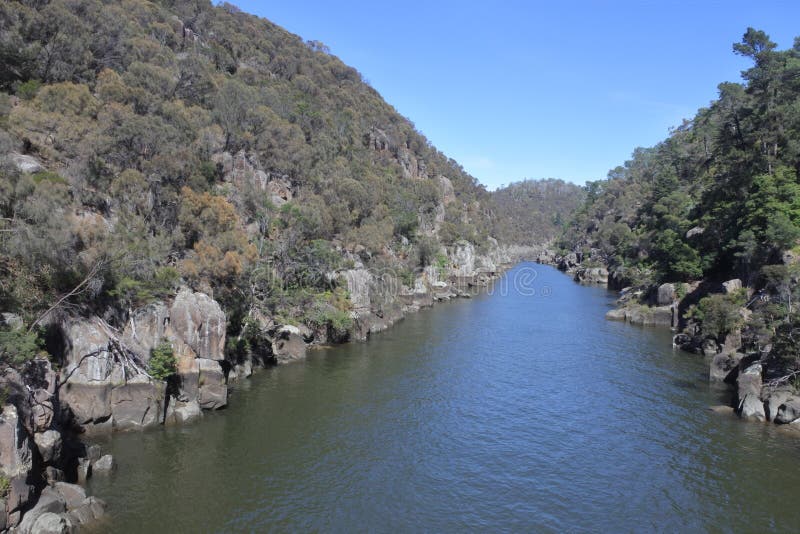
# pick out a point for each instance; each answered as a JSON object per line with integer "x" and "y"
{"x": 507, "y": 412}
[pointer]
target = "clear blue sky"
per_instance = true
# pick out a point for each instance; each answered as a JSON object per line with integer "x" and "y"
{"x": 530, "y": 89}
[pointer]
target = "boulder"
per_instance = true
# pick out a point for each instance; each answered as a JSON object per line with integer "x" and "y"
{"x": 213, "y": 391}
{"x": 732, "y": 285}
{"x": 725, "y": 367}
{"x": 105, "y": 464}
{"x": 733, "y": 341}
{"x": 49, "y": 444}
{"x": 53, "y": 475}
{"x": 200, "y": 323}
{"x": 789, "y": 411}
{"x": 137, "y": 404}
{"x": 50, "y": 523}
{"x": 50, "y": 501}
{"x": 709, "y": 347}
{"x": 25, "y": 163}
{"x": 88, "y": 402}
{"x": 666, "y": 294}
{"x": 616, "y": 315}
{"x": 749, "y": 393}
{"x": 16, "y": 447}
{"x": 20, "y": 494}
{"x": 84, "y": 470}
{"x": 183, "y": 412}
{"x": 288, "y": 345}
{"x": 592, "y": 275}
{"x": 73, "y": 494}
{"x": 90, "y": 510}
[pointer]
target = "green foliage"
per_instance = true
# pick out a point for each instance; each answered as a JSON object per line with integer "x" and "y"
{"x": 5, "y": 486}
{"x": 48, "y": 177}
{"x": 331, "y": 310}
{"x": 133, "y": 293}
{"x": 18, "y": 346}
{"x": 720, "y": 197}
{"x": 163, "y": 363}
{"x": 719, "y": 314}
{"x": 27, "y": 90}
{"x": 534, "y": 211}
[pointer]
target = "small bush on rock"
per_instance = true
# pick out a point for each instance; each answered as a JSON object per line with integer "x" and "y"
{"x": 163, "y": 363}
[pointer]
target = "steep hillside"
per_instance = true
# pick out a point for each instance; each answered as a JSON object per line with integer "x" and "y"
{"x": 706, "y": 225}
{"x": 148, "y": 145}
{"x": 186, "y": 192}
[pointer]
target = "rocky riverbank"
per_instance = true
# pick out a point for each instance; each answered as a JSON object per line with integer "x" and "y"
{"x": 101, "y": 383}
{"x": 761, "y": 389}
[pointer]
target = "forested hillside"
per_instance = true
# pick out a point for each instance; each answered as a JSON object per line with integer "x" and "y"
{"x": 532, "y": 212}
{"x": 149, "y": 144}
{"x": 718, "y": 199}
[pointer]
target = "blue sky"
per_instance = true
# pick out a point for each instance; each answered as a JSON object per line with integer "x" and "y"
{"x": 515, "y": 89}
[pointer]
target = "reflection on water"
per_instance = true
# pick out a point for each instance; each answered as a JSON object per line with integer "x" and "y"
{"x": 513, "y": 411}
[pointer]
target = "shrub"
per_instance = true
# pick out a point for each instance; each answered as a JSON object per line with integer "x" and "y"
{"x": 719, "y": 314}
{"x": 163, "y": 363}
{"x": 18, "y": 346}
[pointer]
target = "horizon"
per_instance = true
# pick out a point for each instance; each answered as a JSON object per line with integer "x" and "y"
{"x": 510, "y": 123}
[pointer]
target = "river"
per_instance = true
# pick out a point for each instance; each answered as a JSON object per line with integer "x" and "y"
{"x": 519, "y": 410}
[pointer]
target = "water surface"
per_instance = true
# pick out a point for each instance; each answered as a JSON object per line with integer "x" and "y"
{"x": 522, "y": 410}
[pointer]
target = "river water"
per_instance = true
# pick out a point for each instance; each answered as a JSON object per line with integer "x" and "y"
{"x": 522, "y": 410}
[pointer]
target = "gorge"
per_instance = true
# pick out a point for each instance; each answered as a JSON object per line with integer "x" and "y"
{"x": 219, "y": 253}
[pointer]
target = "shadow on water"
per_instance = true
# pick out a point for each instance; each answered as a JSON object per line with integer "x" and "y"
{"x": 504, "y": 412}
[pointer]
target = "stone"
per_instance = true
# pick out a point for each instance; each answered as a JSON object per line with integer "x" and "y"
{"x": 105, "y": 464}
{"x": 697, "y": 230}
{"x": 358, "y": 283}
{"x": 84, "y": 470}
{"x": 145, "y": 329}
{"x": 90, "y": 510}
{"x": 16, "y": 447}
{"x": 50, "y": 523}
{"x": 88, "y": 402}
{"x": 288, "y": 346}
{"x": 733, "y": 341}
{"x": 49, "y": 444}
{"x": 709, "y": 347}
{"x": 666, "y": 294}
{"x": 200, "y": 322}
{"x": 50, "y": 501}
{"x": 88, "y": 356}
{"x": 94, "y": 452}
{"x": 42, "y": 410}
{"x": 138, "y": 404}
{"x": 616, "y": 315}
{"x": 592, "y": 275}
{"x": 73, "y": 494}
{"x": 185, "y": 412}
{"x": 732, "y": 285}
{"x": 725, "y": 367}
{"x": 53, "y": 475}
{"x": 25, "y": 163}
{"x": 20, "y": 494}
{"x": 749, "y": 393}
{"x": 788, "y": 411}
{"x": 213, "y": 390}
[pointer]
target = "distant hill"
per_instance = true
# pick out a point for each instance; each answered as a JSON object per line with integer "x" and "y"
{"x": 535, "y": 211}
